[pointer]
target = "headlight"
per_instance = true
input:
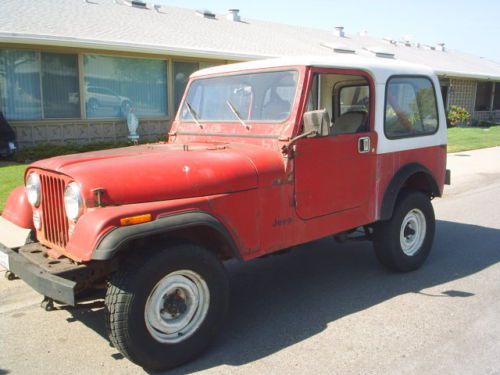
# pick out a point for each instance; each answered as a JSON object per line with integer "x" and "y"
{"x": 73, "y": 203}
{"x": 37, "y": 220}
{"x": 33, "y": 189}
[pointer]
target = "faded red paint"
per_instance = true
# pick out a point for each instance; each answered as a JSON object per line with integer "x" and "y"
{"x": 268, "y": 200}
{"x": 18, "y": 210}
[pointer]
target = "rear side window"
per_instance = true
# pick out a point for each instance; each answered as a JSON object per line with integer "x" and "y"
{"x": 411, "y": 107}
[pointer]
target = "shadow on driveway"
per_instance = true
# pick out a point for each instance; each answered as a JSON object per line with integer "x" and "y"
{"x": 281, "y": 300}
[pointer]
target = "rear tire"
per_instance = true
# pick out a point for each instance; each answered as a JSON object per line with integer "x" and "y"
{"x": 404, "y": 242}
{"x": 166, "y": 309}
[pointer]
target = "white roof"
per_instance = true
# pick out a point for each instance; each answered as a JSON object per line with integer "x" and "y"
{"x": 379, "y": 68}
{"x": 113, "y": 25}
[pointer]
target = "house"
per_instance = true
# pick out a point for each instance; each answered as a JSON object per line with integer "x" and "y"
{"x": 71, "y": 70}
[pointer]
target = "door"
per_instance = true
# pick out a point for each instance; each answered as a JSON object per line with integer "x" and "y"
{"x": 334, "y": 174}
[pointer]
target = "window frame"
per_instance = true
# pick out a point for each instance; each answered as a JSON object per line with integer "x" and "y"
{"x": 435, "y": 101}
{"x": 496, "y": 84}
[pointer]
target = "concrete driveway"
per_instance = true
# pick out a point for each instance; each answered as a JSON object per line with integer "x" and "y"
{"x": 322, "y": 308}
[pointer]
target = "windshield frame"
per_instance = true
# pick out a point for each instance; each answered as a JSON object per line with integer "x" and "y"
{"x": 296, "y": 96}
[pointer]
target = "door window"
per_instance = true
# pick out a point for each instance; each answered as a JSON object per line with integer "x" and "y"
{"x": 345, "y": 97}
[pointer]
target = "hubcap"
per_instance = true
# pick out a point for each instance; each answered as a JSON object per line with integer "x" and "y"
{"x": 177, "y": 306}
{"x": 412, "y": 232}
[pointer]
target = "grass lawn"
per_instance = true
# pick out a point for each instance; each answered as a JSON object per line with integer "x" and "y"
{"x": 11, "y": 175}
{"x": 462, "y": 139}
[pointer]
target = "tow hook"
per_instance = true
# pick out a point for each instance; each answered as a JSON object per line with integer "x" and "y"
{"x": 9, "y": 275}
{"x": 47, "y": 304}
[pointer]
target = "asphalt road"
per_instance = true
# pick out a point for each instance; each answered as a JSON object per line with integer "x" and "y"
{"x": 323, "y": 308}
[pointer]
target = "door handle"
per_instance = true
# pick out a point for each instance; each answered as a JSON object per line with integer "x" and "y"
{"x": 364, "y": 145}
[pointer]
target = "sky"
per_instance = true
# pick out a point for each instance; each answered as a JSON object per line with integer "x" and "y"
{"x": 471, "y": 26}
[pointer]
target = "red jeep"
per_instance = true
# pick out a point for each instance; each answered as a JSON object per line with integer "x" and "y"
{"x": 262, "y": 156}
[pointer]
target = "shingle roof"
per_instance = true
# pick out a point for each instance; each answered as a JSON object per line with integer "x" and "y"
{"x": 113, "y": 25}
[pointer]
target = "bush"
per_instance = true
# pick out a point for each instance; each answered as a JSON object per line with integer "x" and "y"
{"x": 457, "y": 116}
{"x": 44, "y": 151}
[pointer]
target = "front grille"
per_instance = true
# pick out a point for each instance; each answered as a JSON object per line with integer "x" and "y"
{"x": 54, "y": 232}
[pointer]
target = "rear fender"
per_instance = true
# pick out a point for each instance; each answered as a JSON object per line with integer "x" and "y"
{"x": 414, "y": 176}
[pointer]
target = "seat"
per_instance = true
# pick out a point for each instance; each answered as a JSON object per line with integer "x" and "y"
{"x": 349, "y": 123}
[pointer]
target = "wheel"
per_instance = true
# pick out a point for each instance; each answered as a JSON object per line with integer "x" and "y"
{"x": 404, "y": 242}
{"x": 166, "y": 309}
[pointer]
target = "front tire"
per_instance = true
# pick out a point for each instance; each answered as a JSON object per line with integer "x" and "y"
{"x": 404, "y": 242}
{"x": 166, "y": 309}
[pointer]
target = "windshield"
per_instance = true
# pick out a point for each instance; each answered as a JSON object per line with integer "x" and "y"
{"x": 263, "y": 96}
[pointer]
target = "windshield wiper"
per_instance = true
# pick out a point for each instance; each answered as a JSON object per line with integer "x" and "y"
{"x": 238, "y": 116}
{"x": 193, "y": 114}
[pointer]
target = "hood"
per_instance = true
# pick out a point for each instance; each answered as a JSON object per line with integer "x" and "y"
{"x": 159, "y": 172}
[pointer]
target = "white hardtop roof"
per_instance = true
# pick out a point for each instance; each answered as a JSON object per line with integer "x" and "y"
{"x": 379, "y": 68}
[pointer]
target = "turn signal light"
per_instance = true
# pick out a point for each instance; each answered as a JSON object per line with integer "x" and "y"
{"x": 139, "y": 219}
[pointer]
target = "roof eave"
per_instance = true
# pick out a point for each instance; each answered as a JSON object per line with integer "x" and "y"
{"x": 109, "y": 45}
{"x": 457, "y": 74}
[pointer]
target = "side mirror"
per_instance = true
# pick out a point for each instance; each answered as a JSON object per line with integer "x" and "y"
{"x": 316, "y": 122}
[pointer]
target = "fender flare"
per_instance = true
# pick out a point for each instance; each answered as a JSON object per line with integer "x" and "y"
{"x": 113, "y": 241}
{"x": 397, "y": 183}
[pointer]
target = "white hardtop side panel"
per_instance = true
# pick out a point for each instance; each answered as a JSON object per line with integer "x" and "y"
{"x": 386, "y": 145}
{"x": 379, "y": 68}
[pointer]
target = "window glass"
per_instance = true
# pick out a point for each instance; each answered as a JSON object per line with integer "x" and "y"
{"x": 354, "y": 98}
{"x": 483, "y": 96}
{"x": 182, "y": 71}
{"x": 496, "y": 100}
{"x": 411, "y": 107}
{"x": 61, "y": 95}
{"x": 266, "y": 96}
{"x": 116, "y": 85}
{"x": 20, "y": 97}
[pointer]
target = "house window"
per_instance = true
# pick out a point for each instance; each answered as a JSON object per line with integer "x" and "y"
{"x": 411, "y": 108}
{"x": 182, "y": 71}
{"x": 496, "y": 100}
{"x": 28, "y": 76}
{"x": 60, "y": 87}
{"x": 20, "y": 97}
{"x": 483, "y": 96}
{"x": 116, "y": 85}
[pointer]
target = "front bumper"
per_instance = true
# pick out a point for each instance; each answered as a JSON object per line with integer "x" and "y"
{"x": 35, "y": 270}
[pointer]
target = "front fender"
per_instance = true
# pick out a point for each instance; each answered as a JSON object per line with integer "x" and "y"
{"x": 114, "y": 240}
{"x": 18, "y": 210}
{"x": 99, "y": 228}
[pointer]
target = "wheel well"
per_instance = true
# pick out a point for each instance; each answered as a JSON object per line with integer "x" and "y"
{"x": 410, "y": 177}
{"x": 194, "y": 226}
{"x": 422, "y": 181}
{"x": 204, "y": 236}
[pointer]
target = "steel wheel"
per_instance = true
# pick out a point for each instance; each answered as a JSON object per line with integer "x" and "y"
{"x": 177, "y": 306}
{"x": 412, "y": 233}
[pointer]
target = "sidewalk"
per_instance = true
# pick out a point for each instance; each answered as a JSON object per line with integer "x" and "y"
{"x": 471, "y": 169}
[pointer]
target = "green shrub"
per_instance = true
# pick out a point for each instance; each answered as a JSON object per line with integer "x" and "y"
{"x": 458, "y": 116}
{"x": 44, "y": 151}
